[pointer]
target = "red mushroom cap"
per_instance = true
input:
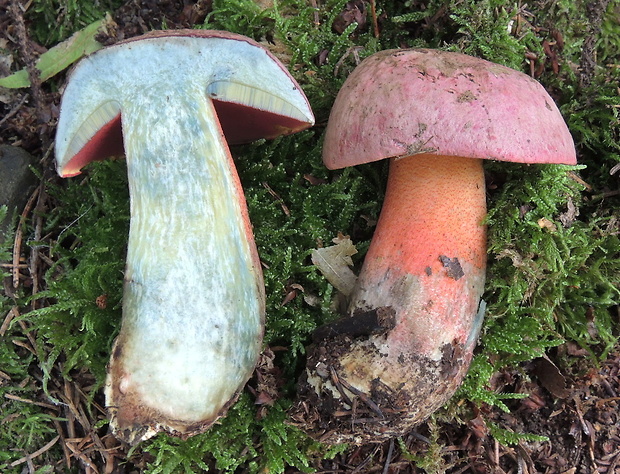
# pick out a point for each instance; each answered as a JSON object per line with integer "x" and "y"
{"x": 406, "y": 102}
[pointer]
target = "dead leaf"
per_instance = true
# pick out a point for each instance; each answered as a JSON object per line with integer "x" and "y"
{"x": 62, "y": 55}
{"x": 314, "y": 181}
{"x": 568, "y": 218}
{"x": 334, "y": 262}
{"x": 550, "y": 377}
{"x": 545, "y": 223}
{"x": 353, "y": 12}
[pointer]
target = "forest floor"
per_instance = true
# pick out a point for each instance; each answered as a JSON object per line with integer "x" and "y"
{"x": 575, "y": 406}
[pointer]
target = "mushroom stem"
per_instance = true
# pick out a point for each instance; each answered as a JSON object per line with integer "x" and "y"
{"x": 416, "y": 310}
{"x": 193, "y": 278}
{"x": 194, "y": 302}
{"x": 427, "y": 257}
{"x": 423, "y": 277}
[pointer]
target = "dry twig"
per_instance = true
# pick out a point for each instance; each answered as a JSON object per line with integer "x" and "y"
{"x": 29, "y": 457}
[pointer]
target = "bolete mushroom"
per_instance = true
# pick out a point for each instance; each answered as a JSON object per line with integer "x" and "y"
{"x": 193, "y": 302}
{"x": 415, "y": 313}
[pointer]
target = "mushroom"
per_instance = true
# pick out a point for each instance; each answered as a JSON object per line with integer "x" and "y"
{"x": 193, "y": 297}
{"x": 416, "y": 310}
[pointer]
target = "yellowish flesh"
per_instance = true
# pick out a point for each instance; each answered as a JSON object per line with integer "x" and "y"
{"x": 103, "y": 114}
{"x": 229, "y": 91}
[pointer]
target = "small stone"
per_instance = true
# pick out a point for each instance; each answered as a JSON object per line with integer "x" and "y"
{"x": 17, "y": 182}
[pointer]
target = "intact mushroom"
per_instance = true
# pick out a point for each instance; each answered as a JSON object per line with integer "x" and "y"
{"x": 416, "y": 309}
{"x": 193, "y": 302}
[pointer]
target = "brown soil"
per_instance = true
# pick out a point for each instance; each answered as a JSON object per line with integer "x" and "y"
{"x": 577, "y": 410}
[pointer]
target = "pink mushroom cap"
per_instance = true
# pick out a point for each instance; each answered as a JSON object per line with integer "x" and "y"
{"x": 407, "y": 102}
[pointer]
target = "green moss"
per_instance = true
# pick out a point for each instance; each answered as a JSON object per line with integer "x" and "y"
{"x": 510, "y": 438}
{"x": 292, "y": 216}
{"x": 91, "y": 224}
{"x": 263, "y": 445}
{"x": 432, "y": 460}
{"x": 25, "y": 427}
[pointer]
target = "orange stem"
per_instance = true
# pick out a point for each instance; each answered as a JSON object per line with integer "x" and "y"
{"x": 427, "y": 258}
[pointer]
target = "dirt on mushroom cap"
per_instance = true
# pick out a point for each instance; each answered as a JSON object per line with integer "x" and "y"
{"x": 404, "y": 102}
